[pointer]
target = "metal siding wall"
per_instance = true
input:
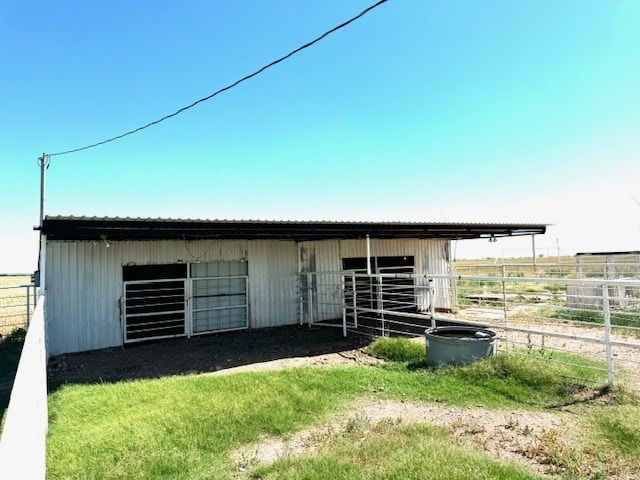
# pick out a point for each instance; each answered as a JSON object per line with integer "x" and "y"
{"x": 84, "y": 281}
{"x": 272, "y": 283}
{"x": 83, "y": 311}
{"x": 84, "y": 284}
{"x": 328, "y": 258}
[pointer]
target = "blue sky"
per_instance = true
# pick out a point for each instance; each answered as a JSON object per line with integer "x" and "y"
{"x": 421, "y": 110}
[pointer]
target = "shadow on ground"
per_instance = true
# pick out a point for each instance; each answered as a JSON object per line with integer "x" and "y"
{"x": 199, "y": 354}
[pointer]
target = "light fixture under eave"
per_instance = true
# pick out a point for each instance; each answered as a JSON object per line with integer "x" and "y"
{"x": 492, "y": 239}
{"x": 103, "y": 237}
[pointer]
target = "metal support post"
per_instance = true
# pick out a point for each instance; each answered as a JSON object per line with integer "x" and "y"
{"x": 28, "y": 305}
{"x": 533, "y": 254}
{"x": 432, "y": 302}
{"x": 504, "y": 303}
{"x": 380, "y": 303}
{"x": 455, "y": 293}
{"x": 310, "y": 297}
{"x": 344, "y": 310}
{"x": 368, "y": 255}
{"x": 607, "y": 333}
{"x": 300, "y": 300}
{"x": 355, "y": 302}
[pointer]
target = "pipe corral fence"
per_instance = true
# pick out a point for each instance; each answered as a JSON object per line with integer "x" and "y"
{"x": 17, "y": 305}
{"x": 590, "y": 323}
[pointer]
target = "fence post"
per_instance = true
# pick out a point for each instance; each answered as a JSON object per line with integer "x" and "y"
{"x": 432, "y": 302}
{"x": 355, "y": 303}
{"x": 28, "y": 287}
{"x": 300, "y": 298}
{"x": 607, "y": 332}
{"x": 380, "y": 305}
{"x": 455, "y": 293}
{"x": 310, "y": 297}
{"x": 504, "y": 303}
{"x": 344, "y": 308}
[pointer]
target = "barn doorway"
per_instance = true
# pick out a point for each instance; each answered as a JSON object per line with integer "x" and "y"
{"x": 220, "y": 297}
{"x": 154, "y": 301}
{"x": 172, "y": 300}
{"x": 377, "y": 293}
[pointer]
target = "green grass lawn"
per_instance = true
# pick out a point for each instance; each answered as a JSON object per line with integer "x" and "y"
{"x": 10, "y": 350}
{"x": 618, "y": 319}
{"x": 185, "y": 426}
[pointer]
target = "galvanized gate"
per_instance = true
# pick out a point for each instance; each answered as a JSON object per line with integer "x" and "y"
{"x": 219, "y": 304}
{"x": 212, "y": 297}
{"x": 154, "y": 309}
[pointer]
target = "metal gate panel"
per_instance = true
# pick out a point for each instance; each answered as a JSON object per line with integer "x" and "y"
{"x": 154, "y": 309}
{"x": 219, "y": 304}
{"x": 397, "y": 293}
{"x": 380, "y": 293}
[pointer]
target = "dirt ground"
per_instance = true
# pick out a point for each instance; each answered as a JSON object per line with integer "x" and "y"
{"x": 218, "y": 353}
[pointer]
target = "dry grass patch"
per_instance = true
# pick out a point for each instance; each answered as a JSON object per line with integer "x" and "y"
{"x": 548, "y": 444}
{"x": 500, "y": 434}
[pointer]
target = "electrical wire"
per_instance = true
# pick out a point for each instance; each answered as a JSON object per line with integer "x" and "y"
{"x": 228, "y": 87}
{"x": 196, "y": 257}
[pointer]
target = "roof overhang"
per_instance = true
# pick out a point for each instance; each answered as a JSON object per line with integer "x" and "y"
{"x": 93, "y": 228}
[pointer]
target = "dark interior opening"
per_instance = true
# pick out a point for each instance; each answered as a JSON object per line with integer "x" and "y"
{"x": 360, "y": 263}
{"x": 154, "y": 272}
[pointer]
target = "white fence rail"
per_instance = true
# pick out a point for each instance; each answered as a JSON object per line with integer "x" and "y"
{"x": 596, "y": 317}
{"x": 23, "y": 443}
{"x": 610, "y": 267}
{"x": 558, "y": 317}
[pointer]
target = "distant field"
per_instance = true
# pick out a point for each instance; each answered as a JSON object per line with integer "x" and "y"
{"x": 557, "y": 267}
{"x": 13, "y": 302}
{"x": 12, "y": 280}
{"x": 517, "y": 260}
{"x": 617, "y": 266}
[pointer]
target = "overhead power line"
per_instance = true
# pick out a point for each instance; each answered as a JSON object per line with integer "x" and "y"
{"x": 228, "y": 87}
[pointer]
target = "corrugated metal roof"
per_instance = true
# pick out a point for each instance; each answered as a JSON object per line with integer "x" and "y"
{"x": 118, "y": 228}
{"x": 216, "y": 220}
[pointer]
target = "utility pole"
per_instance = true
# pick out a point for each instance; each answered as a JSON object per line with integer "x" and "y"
{"x": 43, "y": 163}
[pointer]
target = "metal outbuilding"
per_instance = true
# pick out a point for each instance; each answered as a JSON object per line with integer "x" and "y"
{"x": 111, "y": 281}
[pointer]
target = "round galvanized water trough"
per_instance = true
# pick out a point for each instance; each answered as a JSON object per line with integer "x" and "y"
{"x": 458, "y": 345}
